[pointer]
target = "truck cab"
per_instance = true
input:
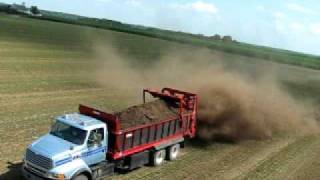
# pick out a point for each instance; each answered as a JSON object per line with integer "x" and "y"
{"x": 74, "y": 144}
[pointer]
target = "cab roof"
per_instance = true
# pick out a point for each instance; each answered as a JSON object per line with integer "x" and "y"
{"x": 80, "y": 121}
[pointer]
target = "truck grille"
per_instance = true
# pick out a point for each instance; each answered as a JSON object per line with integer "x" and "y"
{"x": 36, "y": 170}
{"x": 38, "y": 160}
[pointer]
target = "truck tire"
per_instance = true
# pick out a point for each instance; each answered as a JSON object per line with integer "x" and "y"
{"x": 173, "y": 152}
{"x": 158, "y": 157}
{"x": 80, "y": 177}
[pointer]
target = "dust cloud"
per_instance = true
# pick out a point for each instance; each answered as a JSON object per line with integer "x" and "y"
{"x": 232, "y": 106}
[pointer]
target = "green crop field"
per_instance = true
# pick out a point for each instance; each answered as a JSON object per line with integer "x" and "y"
{"x": 48, "y": 68}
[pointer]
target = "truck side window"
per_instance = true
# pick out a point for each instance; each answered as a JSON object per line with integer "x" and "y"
{"x": 96, "y": 136}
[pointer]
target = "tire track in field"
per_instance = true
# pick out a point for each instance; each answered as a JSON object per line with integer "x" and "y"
{"x": 254, "y": 159}
{"x": 302, "y": 157}
{"x": 287, "y": 161}
{"x": 247, "y": 156}
{"x": 309, "y": 169}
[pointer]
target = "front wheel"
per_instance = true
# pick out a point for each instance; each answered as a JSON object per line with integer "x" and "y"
{"x": 80, "y": 177}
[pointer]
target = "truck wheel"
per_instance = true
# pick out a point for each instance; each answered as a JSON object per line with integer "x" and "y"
{"x": 173, "y": 152}
{"x": 80, "y": 177}
{"x": 158, "y": 157}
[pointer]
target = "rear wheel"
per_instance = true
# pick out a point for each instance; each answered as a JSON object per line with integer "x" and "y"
{"x": 158, "y": 157}
{"x": 80, "y": 177}
{"x": 173, "y": 152}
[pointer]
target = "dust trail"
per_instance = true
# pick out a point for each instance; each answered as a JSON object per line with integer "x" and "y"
{"x": 232, "y": 106}
{"x": 239, "y": 110}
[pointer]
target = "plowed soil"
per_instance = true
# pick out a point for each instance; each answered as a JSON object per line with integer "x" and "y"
{"x": 149, "y": 112}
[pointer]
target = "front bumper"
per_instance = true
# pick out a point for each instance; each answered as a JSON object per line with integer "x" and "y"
{"x": 29, "y": 175}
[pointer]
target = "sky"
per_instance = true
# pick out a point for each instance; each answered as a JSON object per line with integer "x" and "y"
{"x": 286, "y": 24}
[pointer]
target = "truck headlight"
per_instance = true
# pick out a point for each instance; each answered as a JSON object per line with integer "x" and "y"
{"x": 56, "y": 176}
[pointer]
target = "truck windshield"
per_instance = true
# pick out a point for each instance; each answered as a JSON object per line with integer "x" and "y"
{"x": 68, "y": 133}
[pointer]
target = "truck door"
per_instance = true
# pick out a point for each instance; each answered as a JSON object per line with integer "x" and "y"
{"x": 96, "y": 151}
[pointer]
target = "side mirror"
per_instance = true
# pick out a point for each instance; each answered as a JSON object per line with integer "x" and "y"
{"x": 52, "y": 122}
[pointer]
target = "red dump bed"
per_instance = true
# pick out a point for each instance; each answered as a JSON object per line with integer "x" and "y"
{"x": 128, "y": 138}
